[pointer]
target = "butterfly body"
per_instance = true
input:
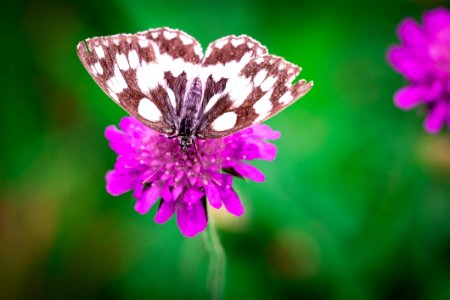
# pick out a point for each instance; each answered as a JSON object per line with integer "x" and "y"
{"x": 162, "y": 78}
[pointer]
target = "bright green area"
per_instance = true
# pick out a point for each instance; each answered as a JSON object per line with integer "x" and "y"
{"x": 356, "y": 205}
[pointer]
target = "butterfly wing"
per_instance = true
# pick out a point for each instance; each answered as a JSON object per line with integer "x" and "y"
{"x": 244, "y": 86}
{"x": 145, "y": 73}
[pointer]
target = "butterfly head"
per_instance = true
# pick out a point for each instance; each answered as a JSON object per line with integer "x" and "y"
{"x": 185, "y": 142}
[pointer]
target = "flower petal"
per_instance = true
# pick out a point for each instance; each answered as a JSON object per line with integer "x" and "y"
{"x": 232, "y": 202}
{"x": 247, "y": 171}
{"x": 191, "y": 218}
{"x": 118, "y": 141}
{"x": 166, "y": 194}
{"x": 192, "y": 195}
{"x": 264, "y": 131}
{"x": 213, "y": 194}
{"x": 266, "y": 151}
{"x": 129, "y": 124}
{"x": 165, "y": 211}
{"x": 118, "y": 183}
{"x": 436, "y": 117}
{"x": 411, "y": 33}
{"x": 149, "y": 197}
{"x": 409, "y": 97}
{"x": 406, "y": 62}
{"x": 436, "y": 20}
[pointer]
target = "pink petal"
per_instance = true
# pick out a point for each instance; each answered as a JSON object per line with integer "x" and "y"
{"x": 165, "y": 212}
{"x": 118, "y": 183}
{"x": 166, "y": 194}
{"x": 213, "y": 194}
{"x": 409, "y": 97}
{"x": 129, "y": 124}
{"x": 406, "y": 62}
{"x": 232, "y": 203}
{"x": 266, "y": 151}
{"x": 247, "y": 171}
{"x": 191, "y": 219}
{"x": 411, "y": 33}
{"x": 150, "y": 196}
{"x": 264, "y": 131}
{"x": 436, "y": 118}
{"x": 118, "y": 141}
{"x": 192, "y": 195}
{"x": 436, "y": 20}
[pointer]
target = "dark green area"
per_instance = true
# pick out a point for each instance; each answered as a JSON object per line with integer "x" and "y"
{"x": 356, "y": 205}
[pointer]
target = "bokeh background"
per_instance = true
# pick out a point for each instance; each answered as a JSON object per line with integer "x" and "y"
{"x": 356, "y": 205}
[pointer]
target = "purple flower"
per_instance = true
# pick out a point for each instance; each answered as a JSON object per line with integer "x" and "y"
{"x": 424, "y": 59}
{"x": 155, "y": 167}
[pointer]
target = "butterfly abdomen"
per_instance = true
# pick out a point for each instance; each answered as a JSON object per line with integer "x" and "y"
{"x": 191, "y": 111}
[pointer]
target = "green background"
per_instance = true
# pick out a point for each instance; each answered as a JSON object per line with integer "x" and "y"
{"x": 356, "y": 205}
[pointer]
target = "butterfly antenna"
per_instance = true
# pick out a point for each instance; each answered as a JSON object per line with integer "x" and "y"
{"x": 159, "y": 168}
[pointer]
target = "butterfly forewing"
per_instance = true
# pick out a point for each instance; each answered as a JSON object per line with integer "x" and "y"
{"x": 145, "y": 73}
{"x": 253, "y": 86}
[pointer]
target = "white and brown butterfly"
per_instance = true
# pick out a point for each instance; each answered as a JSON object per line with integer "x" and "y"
{"x": 161, "y": 77}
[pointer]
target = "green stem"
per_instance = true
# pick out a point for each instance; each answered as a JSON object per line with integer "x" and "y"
{"x": 217, "y": 264}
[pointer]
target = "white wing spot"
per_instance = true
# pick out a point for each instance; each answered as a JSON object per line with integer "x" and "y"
{"x": 240, "y": 91}
{"x": 155, "y": 35}
{"x": 177, "y": 66}
{"x": 147, "y": 77}
{"x": 237, "y": 42}
{"x": 259, "y": 60}
{"x": 261, "y": 117}
{"x": 217, "y": 72}
{"x": 263, "y": 105}
{"x": 133, "y": 58}
{"x": 143, "y": 43}
{"x": 286, "y": 98}
{"x": 99, "y": 51}
{"x": 171, "y": 95}
{"x": 268, "y": 83}
{"x": 225, "y": 121}
{"x": 169, "y": 34}
{"x": 208, "y": 52}
{"x": 113, "y": 95}
{"x": 185, "y": 40}
{"x": 122, "y": 62}
{"x": 99, "y": 68}
{"x": 148, "y": 110}
{"x": 213, "y": 100}
{"x": 260, "y": 77}
{"x": 198, "y": 50}
{"x": 117, "y": 83}
{"x": 221, "y": 43}
{"x": 293, "y": 74}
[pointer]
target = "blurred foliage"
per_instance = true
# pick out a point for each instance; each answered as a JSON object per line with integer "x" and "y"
{"x": 356, "y": 205}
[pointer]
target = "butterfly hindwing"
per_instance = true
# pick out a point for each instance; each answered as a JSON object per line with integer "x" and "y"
{"x": 145, "y": 73}
{"x": 257, "y": 86}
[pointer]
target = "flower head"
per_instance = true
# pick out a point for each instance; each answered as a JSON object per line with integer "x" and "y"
{"x": 155, "y": 167}
{"x": 424, "y": 59}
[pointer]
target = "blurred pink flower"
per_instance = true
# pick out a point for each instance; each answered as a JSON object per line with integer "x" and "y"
{"x": 424, "y": 59}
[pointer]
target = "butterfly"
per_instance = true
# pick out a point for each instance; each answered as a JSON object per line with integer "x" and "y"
{"x": 162, "y": 78}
